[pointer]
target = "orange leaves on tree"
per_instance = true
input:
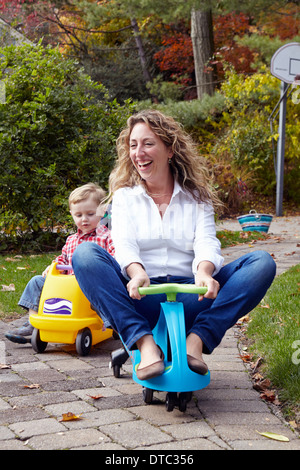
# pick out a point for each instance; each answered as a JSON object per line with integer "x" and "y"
{"x": 226, "y": 27}
{"x": 176, "y": 56}
{"x": 284, "y": 22}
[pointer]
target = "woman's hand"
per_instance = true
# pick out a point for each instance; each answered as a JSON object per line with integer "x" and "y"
{"x": 139, "y": 278}
{"x": 204, "y": 278}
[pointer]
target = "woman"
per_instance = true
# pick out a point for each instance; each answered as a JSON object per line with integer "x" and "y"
{"x": 163, "y": 230}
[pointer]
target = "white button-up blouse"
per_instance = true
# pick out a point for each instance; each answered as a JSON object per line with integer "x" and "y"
{"x": 170, "y": 245}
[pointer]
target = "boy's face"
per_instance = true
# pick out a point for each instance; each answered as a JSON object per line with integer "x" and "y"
{"x": 86, "y": 214}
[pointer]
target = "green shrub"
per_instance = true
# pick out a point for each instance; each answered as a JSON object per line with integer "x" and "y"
{"x": 57, "y": 131}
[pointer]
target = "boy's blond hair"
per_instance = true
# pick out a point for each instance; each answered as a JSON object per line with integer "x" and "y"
{"x": 84, "y": 192}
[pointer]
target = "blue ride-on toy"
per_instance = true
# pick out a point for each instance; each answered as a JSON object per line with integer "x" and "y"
{"x": 178, "y": 380}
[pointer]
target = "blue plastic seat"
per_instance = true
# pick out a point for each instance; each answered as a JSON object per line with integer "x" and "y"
{"x": 170, "y": 334}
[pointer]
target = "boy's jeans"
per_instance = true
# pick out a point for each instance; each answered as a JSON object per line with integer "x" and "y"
{"x": 243, "y": 283}
{"x": 30, "y": 297}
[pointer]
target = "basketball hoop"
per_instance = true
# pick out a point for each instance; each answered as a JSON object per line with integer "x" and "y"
{"x": 285, "y": 63}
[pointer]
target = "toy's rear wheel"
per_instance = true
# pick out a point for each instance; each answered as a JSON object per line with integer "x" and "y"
{"x": 37, "y": 344}
{"x": 84, "y": 342}
{"x": 118, "y": 358}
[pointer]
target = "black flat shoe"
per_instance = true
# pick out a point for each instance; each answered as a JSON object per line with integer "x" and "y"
{"x": 153, "y": 370}
{"x": 196, "y": 365}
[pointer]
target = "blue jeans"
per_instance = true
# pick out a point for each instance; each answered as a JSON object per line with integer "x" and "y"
{"x": 243, "y": 283}
{"x": 30, "y": 297}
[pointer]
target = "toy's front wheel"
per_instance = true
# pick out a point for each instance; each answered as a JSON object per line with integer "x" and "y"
{"x": 37, "y": 344}
{"x": 171, "y": 401}
{"x": 184, "y": 398}
{"x": 84, "y": 342}
{"x": 148, "y": 395}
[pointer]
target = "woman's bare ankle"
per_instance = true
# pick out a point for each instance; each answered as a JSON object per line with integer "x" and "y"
{"x": 194, "y": 346}
{"x": 149, "y": 350}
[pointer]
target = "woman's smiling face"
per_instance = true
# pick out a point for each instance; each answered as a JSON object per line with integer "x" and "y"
{"x": 149, "y": 154}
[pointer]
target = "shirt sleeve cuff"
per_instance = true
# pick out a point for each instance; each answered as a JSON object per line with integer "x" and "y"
{"x": 126, "y": 262}
{"x": 216, "y": 259}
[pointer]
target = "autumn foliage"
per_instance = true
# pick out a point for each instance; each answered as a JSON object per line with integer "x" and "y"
{"x": 227, "y": 50}
{"x": 176, "y": 56}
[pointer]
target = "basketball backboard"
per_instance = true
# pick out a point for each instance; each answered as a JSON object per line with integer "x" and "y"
{"x": 285, "y": 63}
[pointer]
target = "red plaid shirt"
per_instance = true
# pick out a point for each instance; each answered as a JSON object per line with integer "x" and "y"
{"x": 101, "y": 235}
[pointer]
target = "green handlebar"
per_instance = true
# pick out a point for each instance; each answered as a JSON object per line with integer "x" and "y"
{"x": 172, "y": 289}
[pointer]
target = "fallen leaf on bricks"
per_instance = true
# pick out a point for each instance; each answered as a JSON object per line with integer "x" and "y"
{"x": 246, "y": 357}
{"x": 32, "y": 386}
{"x": 95, "y": 397}
{"x": 70, "y": 417}
{"x": 262, "y": 385}
{"x": 272, "y": 435}
{"x": 269, "y": 395}
{"x": 257, "y": 377}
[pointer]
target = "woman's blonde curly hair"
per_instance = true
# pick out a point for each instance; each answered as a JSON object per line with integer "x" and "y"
{"x": 188, "y": 168}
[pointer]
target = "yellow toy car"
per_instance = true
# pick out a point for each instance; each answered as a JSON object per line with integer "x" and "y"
{"x": 65, "y": 315}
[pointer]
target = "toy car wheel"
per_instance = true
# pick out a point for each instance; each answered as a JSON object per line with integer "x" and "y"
{"x": 182, "y": 402}
{"x": 118, "y": 358}
{"x": 116, "y": 370}
{"x": 171, "y": 401}
{"x": 37, "y": 344}
{"x": 183, "y": 399}
{"x": 84, "y": 342}
{"x": 148, "y": 395}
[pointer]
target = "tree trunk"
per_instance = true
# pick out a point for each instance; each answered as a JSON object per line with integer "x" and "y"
{"x": 203, "y": 49}
{"x": 140, "y": 47}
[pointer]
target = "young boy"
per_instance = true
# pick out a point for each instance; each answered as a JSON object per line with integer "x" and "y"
{"x": 87, "y": 209}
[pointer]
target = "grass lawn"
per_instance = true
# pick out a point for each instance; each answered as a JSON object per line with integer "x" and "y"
{"x": 274, "y": 331}
{"x": 230, "y": 238}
